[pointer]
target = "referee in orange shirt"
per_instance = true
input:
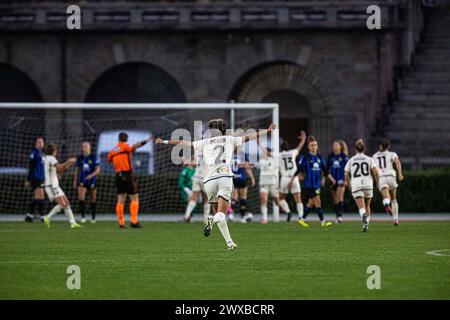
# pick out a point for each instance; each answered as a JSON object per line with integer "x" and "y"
{"x": 126, "y": 182}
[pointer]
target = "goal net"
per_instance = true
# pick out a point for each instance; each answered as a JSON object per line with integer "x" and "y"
{"x": 69, "y": 125}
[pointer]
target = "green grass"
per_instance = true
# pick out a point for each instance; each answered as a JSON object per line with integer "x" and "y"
{"x": 175, "y": 261}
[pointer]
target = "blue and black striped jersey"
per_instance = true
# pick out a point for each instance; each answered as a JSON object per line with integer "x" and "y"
{"x": 36, "y": 166}
{"x": 312, "y": 166}
{"x": 335, "y": 166}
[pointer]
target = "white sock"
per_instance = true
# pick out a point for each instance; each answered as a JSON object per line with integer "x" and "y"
{"x": 300, "y": 210}
{"x": 368, "y": 218}
{"x": 190, "y": 207}
{"x": 386, "y": 201}
{"x": 206, "y": 211}
{"x": 284, "y": 206}
{"x": 264, "y": 211}
{"x": 219, "y": 217}
{"x": 276, "y": 212}
{"x": 69, "y": 215}
{"x": 395, "y": 209}
{"x": 362, "y": 212}
{"x": 56, "y": 209}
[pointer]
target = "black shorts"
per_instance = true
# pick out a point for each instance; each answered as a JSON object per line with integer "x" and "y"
{"x": 337, "y": 184}
{"x": 36, "y": 184}
{"x": 240, "y": 183}
{"x": 88, "y": 185}
{"x": 311, "y": 193}
{"x": 126, "y": 183}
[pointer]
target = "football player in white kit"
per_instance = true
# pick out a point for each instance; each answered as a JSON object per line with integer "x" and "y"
{"x": 52, "y": 189}
{"x": 288, "y": 168}
{"x": 385, "y": 161}
{"x": 268, "y": 183}
{"x": 198, "y": 189}
{"x": 218, "y": 182}
{"x": 358, "y": 175}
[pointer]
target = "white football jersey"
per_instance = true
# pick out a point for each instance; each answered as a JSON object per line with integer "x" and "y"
{"x": 217, "y": 155}
{"x": 385, "y": 163}
{"x": 359, "y": 167}
{"x": 268, "y": 170}
{"x": 288, "y": 163}
{"x": 51, "y": 175}
{"x": 200, "y": 165}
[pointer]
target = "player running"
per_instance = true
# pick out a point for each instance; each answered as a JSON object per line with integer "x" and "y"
{"x": 217, "y": 153}
{"x": 385, "y": 161}
{"x": 126, "y": 183}
{"x": 198, "y": 189}
{"x": 242, "y": 174}
{"x": 54, "y": 192}
{"x": 312, "y": 165}
{"x": 35, "y": 180}
{"x": 336, "y": 162}
{"x": 268, "y": 183}
{"x": 85, "y": 179}
{"x": 358, "y": 175}
{"x": 288, "y": 168}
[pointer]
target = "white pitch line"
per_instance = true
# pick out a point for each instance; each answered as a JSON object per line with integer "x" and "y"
{"x": 438, "y": 253}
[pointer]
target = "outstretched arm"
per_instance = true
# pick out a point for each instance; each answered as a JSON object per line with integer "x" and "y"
{"x": 263, "y": 149}
{"x": 302, "y": 138}
{"x": 61, "y": 167}
{"x": 141, "y": 143}
{"x": 184, "y": 143}
{"x": 255, "y": 135}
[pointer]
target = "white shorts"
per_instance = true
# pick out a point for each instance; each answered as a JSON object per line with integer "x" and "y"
{"x": 53, "y": 192}
{"x": 389, "y": 182}
{"x": 271, "y": 189}
{"x": 284, "y": 185}
{"x": 197, "y": 185}
{"x": 219, "y": 187}
{"x": 364, "y": 193}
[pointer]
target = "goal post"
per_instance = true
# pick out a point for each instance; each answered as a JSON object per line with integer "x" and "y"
{"x": 70, "y": 124}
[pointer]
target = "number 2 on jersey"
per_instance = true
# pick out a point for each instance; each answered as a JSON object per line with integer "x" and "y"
{"x": 220, "y": 158}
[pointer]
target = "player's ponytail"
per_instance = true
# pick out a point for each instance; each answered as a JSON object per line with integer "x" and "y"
{"x": 360, "y": 146}
{"x": 384, "y": 144}
{"x": 218, "y": 124}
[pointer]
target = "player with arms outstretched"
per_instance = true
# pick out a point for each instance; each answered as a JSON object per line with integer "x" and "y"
{"x": 288, "y": 168}
{"x": 358, "y": 175}
{"x": 85, "y": 180}
{"x": 35, "y": 179}
{"x": 52, "y": 188}
{"x": 126, "y": 182}
{"x": 385, "y": 160}
{"x": 217, "y": 153}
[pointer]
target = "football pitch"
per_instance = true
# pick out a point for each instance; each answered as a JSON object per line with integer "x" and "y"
{"x": 167, "y": 260}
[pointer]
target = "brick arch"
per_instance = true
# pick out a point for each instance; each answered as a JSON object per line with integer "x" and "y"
{"x": 17, "y": 86}
{"x": 135, "y": 82}
{"x": 255, "y": 84}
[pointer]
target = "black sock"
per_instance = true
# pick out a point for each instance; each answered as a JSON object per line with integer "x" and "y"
{"x": 234, "y": 205}
{"x": 336, "y": 209}
{"x": 319, "y": 212}
{"x": 40, "y": 206}
{"x": 306, "y": 211}
{"x": 341, "y": 208}
{"x": 32, "y": 207}
{"x": 93, "y": 210}
{"x": 82, "y": 208}
{"x": 243, "y": 206}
